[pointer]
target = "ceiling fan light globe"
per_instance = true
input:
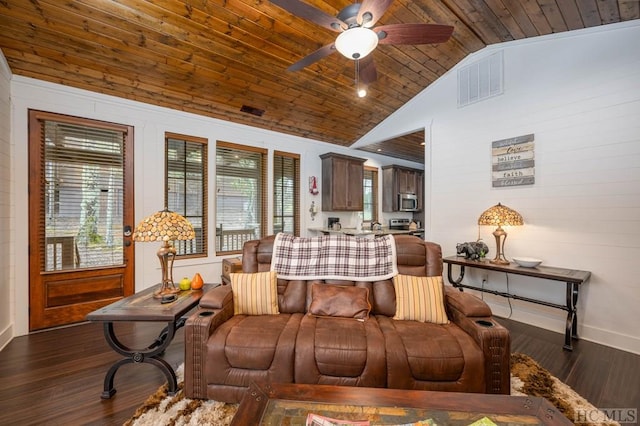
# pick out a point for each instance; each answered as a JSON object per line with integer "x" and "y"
{"x": 356, "y": 43}
{"x": 362, "y": 93}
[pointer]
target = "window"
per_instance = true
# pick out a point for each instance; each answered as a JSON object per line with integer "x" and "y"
{"x": 286, "y": 193}
{"x": 370, "y": 192}
{"x": 82, "y": 214}
{"x": 240, "y": 195}
{"x": 186, "y": 187}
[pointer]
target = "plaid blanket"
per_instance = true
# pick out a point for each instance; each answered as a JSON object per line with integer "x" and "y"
{"x": 339, "y": 257}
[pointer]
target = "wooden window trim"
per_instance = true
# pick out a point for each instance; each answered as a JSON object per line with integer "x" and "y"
{"x": 376, "y": 198}
{"x": 263, "y": 185}
{"x": 205, "y": 190}
{"x": 296, "y": 206}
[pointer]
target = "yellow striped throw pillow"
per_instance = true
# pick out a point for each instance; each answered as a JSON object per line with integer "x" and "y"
{"x": 420, "y": 299}
{"x": 255, "y": 294}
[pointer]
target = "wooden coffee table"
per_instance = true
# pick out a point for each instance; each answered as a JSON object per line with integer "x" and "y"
{"x": 143, "y": 306}
{"x": 278, "y": 403}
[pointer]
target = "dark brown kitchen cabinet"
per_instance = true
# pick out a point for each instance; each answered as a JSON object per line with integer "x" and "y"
{"x": 342, "y": 186}
{"x": 400, "y": 180}
{"x": 407, "y": 181}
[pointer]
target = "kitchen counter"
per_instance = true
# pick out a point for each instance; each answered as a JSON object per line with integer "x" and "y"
{"x": 366, "y": 232}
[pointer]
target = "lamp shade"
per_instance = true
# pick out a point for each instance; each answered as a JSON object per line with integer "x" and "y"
{"x": 500, "y": 215}
{"x": 164, "y": 225}
{"x": 357, "y": 42}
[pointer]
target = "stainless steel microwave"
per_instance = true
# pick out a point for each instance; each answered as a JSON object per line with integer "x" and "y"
{"x": 407, "y": 202}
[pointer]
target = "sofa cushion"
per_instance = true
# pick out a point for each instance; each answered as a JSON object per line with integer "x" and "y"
{"x": 431, "y": 356}
{"x": 339, "y": 301}
{"x": 420, "y": 299}
{"x": 254, "y": 294}
{"x": 248, "y": 348}
{"x": 340, "y": 351}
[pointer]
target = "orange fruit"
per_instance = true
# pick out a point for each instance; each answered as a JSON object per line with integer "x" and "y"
{"x": 196, "y": 282}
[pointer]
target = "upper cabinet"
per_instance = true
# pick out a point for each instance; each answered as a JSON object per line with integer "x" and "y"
{"x": 400, "y": 180}
{"x": 342, "y": 177}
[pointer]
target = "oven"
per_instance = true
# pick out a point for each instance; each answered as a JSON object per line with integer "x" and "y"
{"x": 403, "y": 224}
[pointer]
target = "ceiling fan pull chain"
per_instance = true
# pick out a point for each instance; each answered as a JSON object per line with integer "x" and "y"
{"x": 357, "y": 68}
{"x": 361, "y": 92}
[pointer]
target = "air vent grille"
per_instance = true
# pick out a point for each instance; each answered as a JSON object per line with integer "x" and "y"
{"x": 480, "y": 80}
{"x": 252, "y": 110}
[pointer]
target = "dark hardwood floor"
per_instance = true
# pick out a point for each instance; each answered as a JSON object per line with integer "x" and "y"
{"x": 56, "y": 377}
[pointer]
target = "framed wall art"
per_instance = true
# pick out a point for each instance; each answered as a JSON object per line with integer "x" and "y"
{"x": 513, "y": 162}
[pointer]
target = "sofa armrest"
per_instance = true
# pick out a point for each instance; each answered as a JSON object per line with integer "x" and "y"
{"x": 474, "y": 316}
{"x": 468, "y": 304}
{"x": 217, "y": 298}
{"x": 216, "y": 307}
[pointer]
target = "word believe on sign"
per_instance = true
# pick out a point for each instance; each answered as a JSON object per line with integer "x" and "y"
{"x": 512, "y": 162}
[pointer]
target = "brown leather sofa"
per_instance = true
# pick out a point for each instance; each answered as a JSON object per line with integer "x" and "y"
{"x": 225, "y": 353}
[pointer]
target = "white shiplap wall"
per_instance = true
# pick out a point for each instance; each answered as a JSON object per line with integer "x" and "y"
{"x": 579, "y": 94}
{"x": 6, "y": 234}
{"x": 150, "y": 125}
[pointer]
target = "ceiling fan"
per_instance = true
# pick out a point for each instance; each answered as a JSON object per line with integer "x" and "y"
{"x": 358, "y": 37}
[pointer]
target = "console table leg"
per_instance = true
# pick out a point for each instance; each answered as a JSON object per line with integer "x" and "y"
{"x": 456, "y": 282}
{"x": 165, "y": 367}
{"x": 109, "y": 390}
{"x": 571, "y": 331}
{"x": 151, "y": 355}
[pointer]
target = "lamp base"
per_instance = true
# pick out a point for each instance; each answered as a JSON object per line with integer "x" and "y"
{"x": 165, "y": 290}
{"x": 166, "y": 255}
{"x": 500, "y": 236}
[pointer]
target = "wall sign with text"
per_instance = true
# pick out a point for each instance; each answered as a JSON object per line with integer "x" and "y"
{"x": 512, "y": 162}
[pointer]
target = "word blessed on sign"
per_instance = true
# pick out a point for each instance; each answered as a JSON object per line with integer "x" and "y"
{"x": 512, "y": 162}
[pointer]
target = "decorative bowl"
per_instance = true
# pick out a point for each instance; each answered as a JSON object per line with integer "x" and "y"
{"x": 527, "y": 262}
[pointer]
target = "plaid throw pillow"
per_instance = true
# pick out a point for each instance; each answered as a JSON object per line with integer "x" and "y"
{"x": 254, "y": 294}
{"x": 420, "y": 299}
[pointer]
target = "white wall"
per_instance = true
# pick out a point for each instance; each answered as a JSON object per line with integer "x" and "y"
{"x": 579, "y": 94}
{"x": 150, "y": 124}
{"x": 6, "y": 233}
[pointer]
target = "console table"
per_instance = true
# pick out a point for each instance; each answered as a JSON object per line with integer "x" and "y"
{"x": 143, "y": 306}
{"x": 573, "y": 279}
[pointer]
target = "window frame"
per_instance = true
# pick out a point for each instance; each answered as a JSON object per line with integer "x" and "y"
{"x": 204, "y": 208}
{"x": 262, "y": 188}
{"x": 374, "y": 191}
{"x": 296, "y": 190}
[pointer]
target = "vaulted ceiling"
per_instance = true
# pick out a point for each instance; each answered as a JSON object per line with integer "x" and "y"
{"x": 228, "y": 58}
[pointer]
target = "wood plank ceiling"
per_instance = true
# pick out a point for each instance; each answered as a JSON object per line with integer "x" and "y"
{"x": 215, "y": 57}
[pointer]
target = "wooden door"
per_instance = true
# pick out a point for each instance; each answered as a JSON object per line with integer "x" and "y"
{"x": 80, "y": 217}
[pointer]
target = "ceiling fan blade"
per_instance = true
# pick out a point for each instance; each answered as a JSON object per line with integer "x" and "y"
{"x": 413, "y": 33}
{"x": 310, "y": 13}
{"x": 367, "y": 67}
{"x": 323, "y": 52}
{"x": 375, "y": 8}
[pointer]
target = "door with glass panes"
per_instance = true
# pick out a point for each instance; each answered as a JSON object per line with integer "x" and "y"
{"x": 80, "y": 217}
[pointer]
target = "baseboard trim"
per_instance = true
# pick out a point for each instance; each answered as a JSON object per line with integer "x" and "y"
{"x": 6, "y": 336}
{"x": 554, "y": 320}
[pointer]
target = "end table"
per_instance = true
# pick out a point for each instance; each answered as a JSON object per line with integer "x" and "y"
{"x": 143, "y": 306}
